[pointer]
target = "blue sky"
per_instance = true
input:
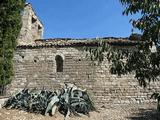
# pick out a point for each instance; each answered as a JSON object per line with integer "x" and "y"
{"x": 82, "y": 18}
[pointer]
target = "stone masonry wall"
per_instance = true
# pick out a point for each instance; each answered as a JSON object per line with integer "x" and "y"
{"x": 32, "y": 28}
{"x": 36, "y": 68}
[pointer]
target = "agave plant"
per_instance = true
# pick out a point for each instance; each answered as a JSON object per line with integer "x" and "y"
{"x": 75, "y": 100}
{"x": 18, "y": 100}
{"x": 157, "y": 97}
{"x": 30, "y": 100}
{"x": 69, "y": 100}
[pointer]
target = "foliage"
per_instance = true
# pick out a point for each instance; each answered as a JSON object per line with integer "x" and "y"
{"x": 32, "y": 101}
{"x": 157, "y": 97}
{"x": 10, "y": 25}
{"x": 69, "y": 100}
{"x": 141, "y": 61}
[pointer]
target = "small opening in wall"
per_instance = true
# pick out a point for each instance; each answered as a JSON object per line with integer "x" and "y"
{"x": 23, "y": 57}
{"x": 33, "y": 20}
{"x": 35, "y": 61}
{"x": 39, "y": 30}
{"x": 59, "y": 63}
{"x": 79, "y": 60}
{"x": 39, "y": 27}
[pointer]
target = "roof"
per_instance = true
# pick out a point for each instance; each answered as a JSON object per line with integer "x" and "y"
{"x": 63, "y": 42}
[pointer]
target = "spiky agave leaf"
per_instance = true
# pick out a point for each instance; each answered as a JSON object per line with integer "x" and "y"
{"x": 52, "y": 103}
{"x": 80, "y": 107}
{"x": 40, "y": 101}
{"x": 54, "y": 108}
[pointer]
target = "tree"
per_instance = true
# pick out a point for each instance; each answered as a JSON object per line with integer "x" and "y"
{"x": 149, "y": 23}
{"x": 10, "y": 25}
{"x": 143, "y": 62}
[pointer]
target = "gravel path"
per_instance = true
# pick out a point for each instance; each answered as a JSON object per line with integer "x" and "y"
{"x": 126, "y": 112}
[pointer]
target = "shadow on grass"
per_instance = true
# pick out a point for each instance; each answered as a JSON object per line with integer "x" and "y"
{"x": 146, "y": 114}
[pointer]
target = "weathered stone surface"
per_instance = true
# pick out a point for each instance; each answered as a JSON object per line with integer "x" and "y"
{"x": 32, "y": 27}
{"x": 37, "y": 69}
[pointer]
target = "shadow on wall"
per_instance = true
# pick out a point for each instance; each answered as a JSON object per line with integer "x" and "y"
{"x": 143, "y": 114}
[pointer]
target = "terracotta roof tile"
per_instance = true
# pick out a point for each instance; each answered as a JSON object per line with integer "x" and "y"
{"x": 61, "y": 42}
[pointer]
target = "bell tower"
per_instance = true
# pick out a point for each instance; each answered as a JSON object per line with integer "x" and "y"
{"x": 32, "y": 27}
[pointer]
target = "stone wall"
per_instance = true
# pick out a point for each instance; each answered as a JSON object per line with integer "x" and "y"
{"x": 32, "y": 28}
{"x": 36, "y": 68}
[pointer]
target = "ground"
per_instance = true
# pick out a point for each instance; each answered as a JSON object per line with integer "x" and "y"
{"x": 114, "y": 112}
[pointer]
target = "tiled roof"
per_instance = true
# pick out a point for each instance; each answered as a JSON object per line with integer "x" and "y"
{"x": 62, "y": 42}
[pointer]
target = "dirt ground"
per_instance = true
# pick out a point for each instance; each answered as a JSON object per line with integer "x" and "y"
{"x": 125, "y": 112}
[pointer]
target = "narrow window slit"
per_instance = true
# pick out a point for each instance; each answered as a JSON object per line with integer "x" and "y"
{"x": 59, "y": 63}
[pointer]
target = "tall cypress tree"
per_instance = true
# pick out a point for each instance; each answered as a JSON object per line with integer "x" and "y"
{"x": 10, "y": 25}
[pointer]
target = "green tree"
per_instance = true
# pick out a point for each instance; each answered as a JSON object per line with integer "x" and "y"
{"x": 143, "y": 62}
{"x": 10, "y": 25}
{"x": 149, "y": 23}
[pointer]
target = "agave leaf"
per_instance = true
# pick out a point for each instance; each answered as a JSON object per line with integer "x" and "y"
{"x": 65, "y": 96}
{"x": 53, "y": 101}
{"x": 69, "y": 85}
{"x": 57, "y": 92}
{"x": 54, "y": 108}
{"x": 81, "y": 107}
{"x": 74, "y": 88}
{"x": 68, "y": 114}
